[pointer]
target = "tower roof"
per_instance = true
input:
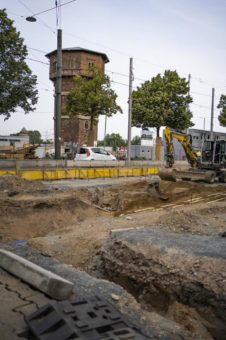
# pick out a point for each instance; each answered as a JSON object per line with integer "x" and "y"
{"x": 80, "y": 49}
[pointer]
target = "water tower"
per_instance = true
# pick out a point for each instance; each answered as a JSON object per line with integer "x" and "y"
{"x": 75, "y": 61}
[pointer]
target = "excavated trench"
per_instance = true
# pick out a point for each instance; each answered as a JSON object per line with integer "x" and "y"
{"x": 175, "y": 268}
{"x": 181, "y": 277}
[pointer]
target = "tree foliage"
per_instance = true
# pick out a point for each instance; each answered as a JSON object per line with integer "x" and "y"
{"x": 114, "y": 140}
{"x": 136, "y": 140}
{"x": 162, "y": 101}
{"x": 222, "y": 106}
{"x": 92, "y": 96}
{"x": 17, "y": 84}
{"x": 34, "y": 137}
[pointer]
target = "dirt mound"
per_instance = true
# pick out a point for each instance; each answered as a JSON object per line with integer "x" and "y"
{"x": 16, "y": 183}
{"x": 180, "y": 220}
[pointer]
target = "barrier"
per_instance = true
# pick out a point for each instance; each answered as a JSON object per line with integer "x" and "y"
{"x": 79, "y": 173}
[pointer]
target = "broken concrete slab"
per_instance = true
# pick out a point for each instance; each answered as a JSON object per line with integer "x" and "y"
{"x": 161, "y": 268}
{"x": 42, "y": 279}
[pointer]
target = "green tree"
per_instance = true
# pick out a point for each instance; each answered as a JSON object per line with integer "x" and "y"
{"x": 162, "y": 101}
{"x": 222, "y": 106}
{"x": 114, "y": 140}
{"x": 34, "y": 137}
{"x": 136, "y": 140}
{"x": 17, "y": 84}
{"x": 92, "y": 96}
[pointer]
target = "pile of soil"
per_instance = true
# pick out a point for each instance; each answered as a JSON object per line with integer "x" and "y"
{"x": 15, "y": 183}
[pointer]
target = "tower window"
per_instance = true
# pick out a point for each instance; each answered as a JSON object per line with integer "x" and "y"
{"x": 54, "y": 66}
{"x": 86, "y": 125}
{"x": 91, "y": 65}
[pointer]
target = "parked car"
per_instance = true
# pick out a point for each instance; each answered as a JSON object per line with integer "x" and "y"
{"x": 86, "y": 153}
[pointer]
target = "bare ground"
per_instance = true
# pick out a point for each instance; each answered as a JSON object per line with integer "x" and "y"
{"x": 72, "y": 225}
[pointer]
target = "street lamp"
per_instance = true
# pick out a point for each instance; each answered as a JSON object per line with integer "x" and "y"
{"x": 31, "y": 19}
{"x": 58, "y": 86}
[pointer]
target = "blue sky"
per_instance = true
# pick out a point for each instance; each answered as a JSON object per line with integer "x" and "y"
{"x": 188, "y": 36}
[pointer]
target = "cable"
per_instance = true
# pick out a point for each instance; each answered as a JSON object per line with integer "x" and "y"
{"x": 117, "y": 82}
{"x": 202, "y": 106}
{"x": 201, "y": 94}
{"x": 43, "y": 22}
{"x": 124, "y": 75}
{"x": 117, "y": 51}
{"x": 52, "y": 8}
{"x": 37, "y": 61}
{"x": 37, "y": 50}
{"x": 206, "y": 82}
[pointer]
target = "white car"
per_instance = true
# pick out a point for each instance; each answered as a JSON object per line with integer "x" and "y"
{"x": 94, "y": 153}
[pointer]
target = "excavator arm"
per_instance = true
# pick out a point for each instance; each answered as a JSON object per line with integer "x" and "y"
{"x": 185, "y": 141}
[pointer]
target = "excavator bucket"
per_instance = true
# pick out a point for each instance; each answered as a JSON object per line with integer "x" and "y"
{"x": 155, "y": 190}
{"x": 168, "y": 175}
{"x": 187, "y": 175}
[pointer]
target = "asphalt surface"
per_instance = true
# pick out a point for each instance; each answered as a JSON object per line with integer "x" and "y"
{"x": 201, "y": 245}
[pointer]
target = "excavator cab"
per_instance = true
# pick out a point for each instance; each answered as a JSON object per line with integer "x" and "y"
{"x": 214, "y": 153}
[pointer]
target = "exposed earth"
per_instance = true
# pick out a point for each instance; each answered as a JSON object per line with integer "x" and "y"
{"x": 75, "y": 225}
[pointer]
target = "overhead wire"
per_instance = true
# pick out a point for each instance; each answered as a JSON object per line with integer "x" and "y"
{"x": 41, "y": 20}
{"x": 37, "y": 61}
{"x": 115, "y": 50}
{"x": 58, "y": 5}
{"x": 37, "y": 50}
{"x": 52, "y": 8}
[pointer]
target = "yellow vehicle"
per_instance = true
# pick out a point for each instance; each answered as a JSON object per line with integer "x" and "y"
{"x": 205, "y": 165}
{"x": 186, "y": 142}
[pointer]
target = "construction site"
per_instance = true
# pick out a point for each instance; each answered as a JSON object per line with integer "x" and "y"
{"x": 152, "y": 250}
{"x": 112, "y": 174}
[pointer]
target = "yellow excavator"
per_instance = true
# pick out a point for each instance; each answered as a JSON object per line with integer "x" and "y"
{"x": 206, "y": 165}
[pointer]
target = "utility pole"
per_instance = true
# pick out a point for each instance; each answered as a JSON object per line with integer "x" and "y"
{"x": 189, "y": 82}
{"x": 105, "y": 130}
{"x": 212, "y": 114}
{"x": 58, "y": 96}
{"x": 187, "y": 108}
{"x": 130, "y": 108}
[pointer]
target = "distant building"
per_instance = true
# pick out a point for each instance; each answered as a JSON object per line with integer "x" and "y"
{"x": 145, "y": 150}
{"x": 142, "y": 152}
{"x": 18, "y": 140}
{"x": 146, "y": 137}
{"x": 76, "y": 61}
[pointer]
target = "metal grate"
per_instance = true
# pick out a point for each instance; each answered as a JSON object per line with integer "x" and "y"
{"x": 91, "y": 319}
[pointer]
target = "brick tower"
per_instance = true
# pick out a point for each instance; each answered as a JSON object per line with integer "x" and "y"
{"x": 76, "y": 61}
